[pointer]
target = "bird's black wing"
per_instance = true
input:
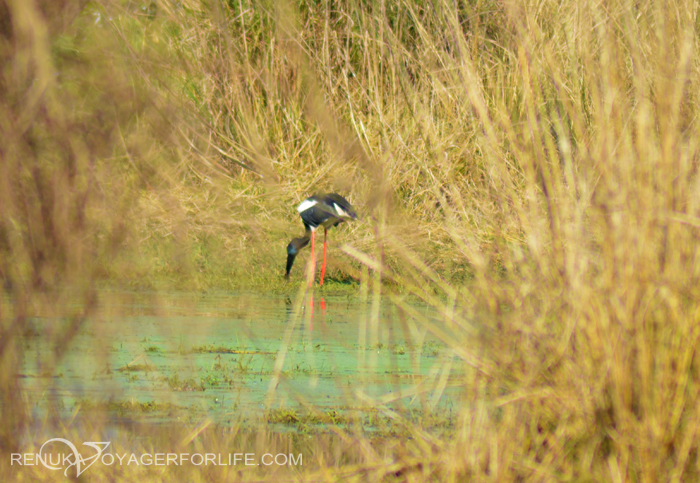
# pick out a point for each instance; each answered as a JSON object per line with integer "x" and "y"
{"x": 342, "y": 202}
{"x": 317, "y": 214}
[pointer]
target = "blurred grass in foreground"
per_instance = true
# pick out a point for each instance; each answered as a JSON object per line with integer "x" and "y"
{"x": 530, "y": 169}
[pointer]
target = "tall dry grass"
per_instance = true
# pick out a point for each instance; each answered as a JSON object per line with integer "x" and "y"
{"x": 529, "y": 169}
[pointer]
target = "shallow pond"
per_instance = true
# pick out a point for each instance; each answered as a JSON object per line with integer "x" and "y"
{"x": 233, "y": 358}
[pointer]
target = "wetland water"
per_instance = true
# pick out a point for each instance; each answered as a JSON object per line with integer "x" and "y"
{"x": 234, "y": 358}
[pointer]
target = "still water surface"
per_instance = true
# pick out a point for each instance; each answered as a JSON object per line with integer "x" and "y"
{"x": 232, "y": 357}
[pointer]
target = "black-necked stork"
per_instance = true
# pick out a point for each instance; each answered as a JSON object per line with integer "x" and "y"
{"x": 326, "y": 210}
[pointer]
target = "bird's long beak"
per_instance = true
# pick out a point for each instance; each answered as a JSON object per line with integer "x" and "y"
{"x": 290, "y": 262}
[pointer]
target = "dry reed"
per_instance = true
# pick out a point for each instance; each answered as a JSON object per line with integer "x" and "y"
{"x": 528, "y": 169}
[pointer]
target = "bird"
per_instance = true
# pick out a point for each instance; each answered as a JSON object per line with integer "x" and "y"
{"x": 326, "y": 210}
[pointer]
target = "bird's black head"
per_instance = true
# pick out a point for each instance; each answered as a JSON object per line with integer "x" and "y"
{"x": 293, "y": 249}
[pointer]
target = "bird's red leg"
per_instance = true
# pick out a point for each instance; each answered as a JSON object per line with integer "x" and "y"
{"x": 311, "y": 313}
{"x": 313, "y": 261}
{"x": 323, "y": 267}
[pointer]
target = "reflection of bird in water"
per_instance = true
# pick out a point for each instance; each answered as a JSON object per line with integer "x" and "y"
{"x": 326, "y": 210}
{"x": 289, "y": 306}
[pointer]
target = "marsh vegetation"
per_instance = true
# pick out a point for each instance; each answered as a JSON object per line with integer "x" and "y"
{"x": 527, "y": 179}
